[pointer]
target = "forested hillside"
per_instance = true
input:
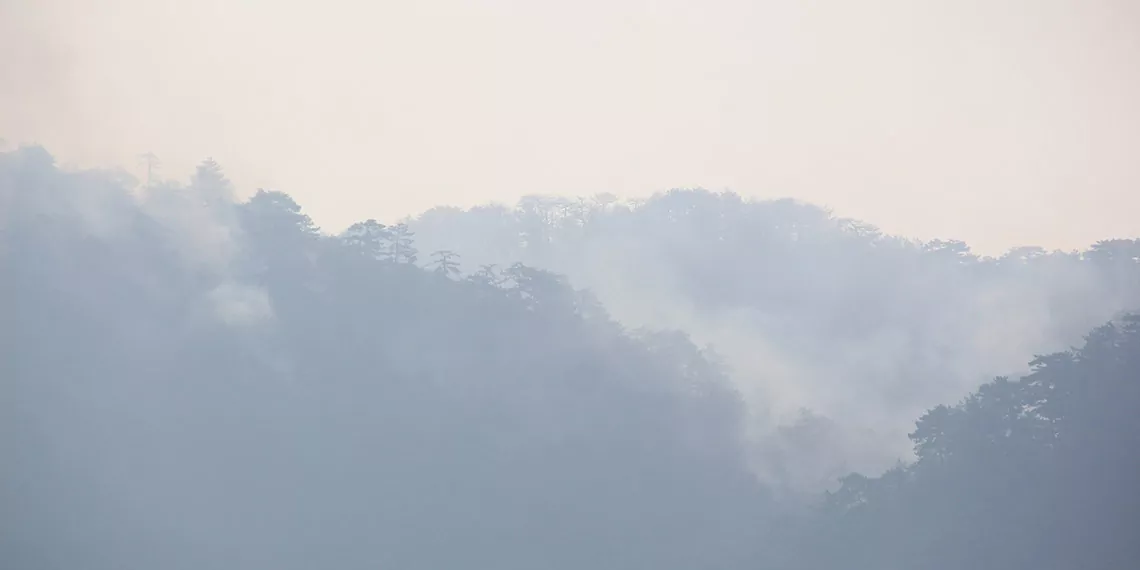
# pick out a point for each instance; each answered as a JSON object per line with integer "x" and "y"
{"x": 192, "y": 381}
{"x": 1033, "y": 473}
{"x": 810, "y": 310}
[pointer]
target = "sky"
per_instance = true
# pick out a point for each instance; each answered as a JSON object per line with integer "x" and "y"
{"x": 999, "y": 123}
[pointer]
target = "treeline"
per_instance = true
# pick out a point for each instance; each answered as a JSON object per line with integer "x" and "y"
{"x": 811, "y": 310}
{"x": 1032, "y": 473}
{"x": 189, "y": 381}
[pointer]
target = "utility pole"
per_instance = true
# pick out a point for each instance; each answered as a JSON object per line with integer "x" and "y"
{"x": 151, "y": 162}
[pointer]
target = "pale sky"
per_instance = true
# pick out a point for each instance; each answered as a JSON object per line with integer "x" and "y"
{"x": 1000, "y": 122}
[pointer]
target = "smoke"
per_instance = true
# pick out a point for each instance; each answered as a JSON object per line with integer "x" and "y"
{"x": 865, "y": 336}
{"x": 836, "y": 343}
{"x": 108, "y": 206}
{"x": 240, "y": 305}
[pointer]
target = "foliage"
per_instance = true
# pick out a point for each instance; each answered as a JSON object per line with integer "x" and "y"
{"x": 190, "y": 387}
{"x": 193, "y": 382}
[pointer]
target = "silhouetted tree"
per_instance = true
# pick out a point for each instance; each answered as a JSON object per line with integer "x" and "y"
{"x": 370, "y": 238}
{"x": 446, "y": 263}
{"x": 401, "y": 246}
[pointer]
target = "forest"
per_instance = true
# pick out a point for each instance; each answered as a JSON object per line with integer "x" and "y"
{"x": 189, "y": 380}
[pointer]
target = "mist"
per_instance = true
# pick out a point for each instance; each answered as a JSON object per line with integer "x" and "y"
{"x": 615, "y": 285}
{"x": 819, "y": 318}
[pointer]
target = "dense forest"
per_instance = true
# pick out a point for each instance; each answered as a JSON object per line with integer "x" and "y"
{"x": 837, "y": 335}
{"x": 696, "y": 380}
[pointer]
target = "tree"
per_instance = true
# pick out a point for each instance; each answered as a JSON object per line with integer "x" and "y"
{"x": 446, "y": 263}
{"x": 273, "y": 211}
{"x": 401, "y": 244}
{"x": 1034, "y": 473}
{"x": 489, "y": 273}
{"x": 369, "y": 238}
{"x": 211, "y": 184}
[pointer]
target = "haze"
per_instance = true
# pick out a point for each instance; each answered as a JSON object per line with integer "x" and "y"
{"x": 1000, "y": 123}
{"x": 597, "y": 285}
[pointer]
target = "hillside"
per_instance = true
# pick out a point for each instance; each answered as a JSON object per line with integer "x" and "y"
{"x": 836, "y": 334}
{"x": 192, "y": 381}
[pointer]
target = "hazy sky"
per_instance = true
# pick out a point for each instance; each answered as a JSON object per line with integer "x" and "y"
{"x": 999, "y": 122}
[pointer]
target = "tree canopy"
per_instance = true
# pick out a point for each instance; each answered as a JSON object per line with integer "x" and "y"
{"x": 189, "y": 387}
{"x": 192, "y": 381}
